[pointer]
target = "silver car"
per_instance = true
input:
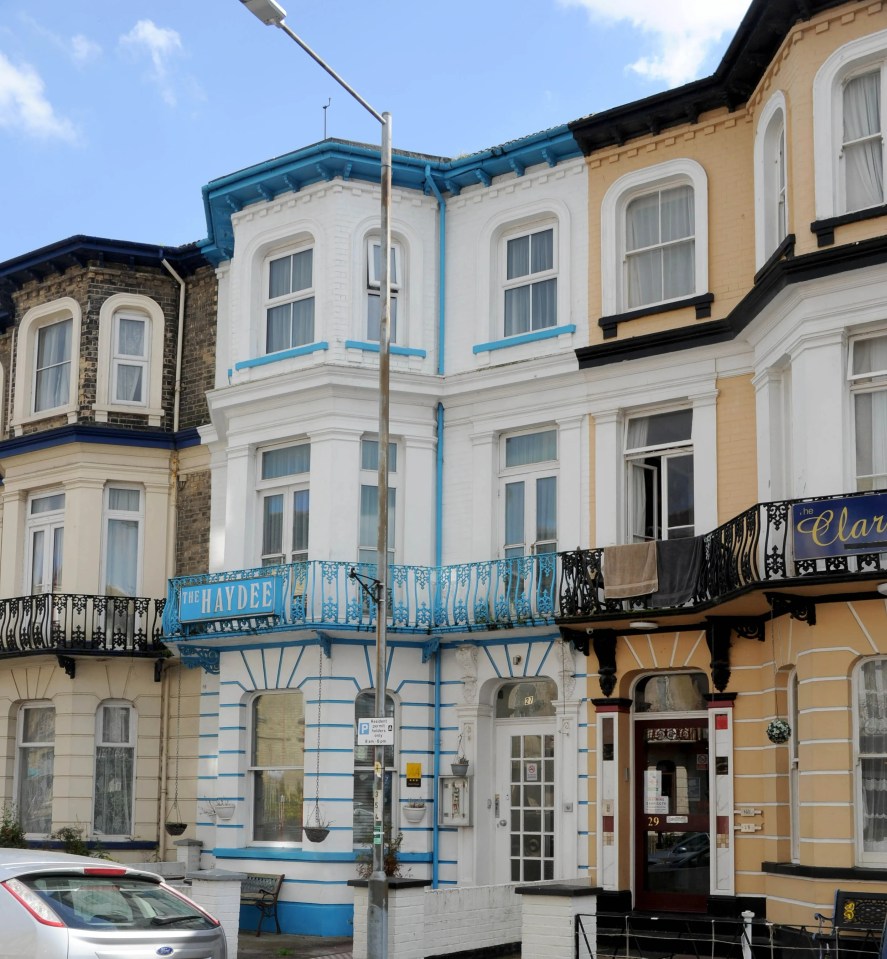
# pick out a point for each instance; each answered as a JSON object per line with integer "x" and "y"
{"x": 54, "y": 906}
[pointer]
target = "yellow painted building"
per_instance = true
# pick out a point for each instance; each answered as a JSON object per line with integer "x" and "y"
{"x": 737, "y": 390}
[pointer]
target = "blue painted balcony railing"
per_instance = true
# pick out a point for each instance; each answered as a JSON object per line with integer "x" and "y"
{"x": 751, "y": 551}
{"x": 423, "y": 599}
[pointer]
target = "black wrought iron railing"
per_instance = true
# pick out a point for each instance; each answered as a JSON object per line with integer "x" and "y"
{"x": 68, "y": 623}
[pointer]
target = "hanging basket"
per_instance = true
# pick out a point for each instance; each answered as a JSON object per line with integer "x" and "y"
{"x": 459, "y": 769}
{"x": 175, "y": 828}
{"x": 316, "y": 833}
{"x": 413, "y": 813}
{"x": 779, "y": 731}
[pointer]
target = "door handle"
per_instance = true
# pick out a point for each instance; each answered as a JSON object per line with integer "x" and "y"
{"x": 503, "y": 822}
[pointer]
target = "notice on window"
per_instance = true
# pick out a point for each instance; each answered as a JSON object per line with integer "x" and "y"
{"x": 654, "y": 802}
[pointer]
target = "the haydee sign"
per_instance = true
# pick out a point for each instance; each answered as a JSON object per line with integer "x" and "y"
{"x": 233, "y": 599}
{"x": 840, "y": 526}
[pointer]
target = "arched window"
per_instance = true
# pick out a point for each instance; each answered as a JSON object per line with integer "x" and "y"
{"x": 771, "y": 195}
{"x": 35, "y": 768}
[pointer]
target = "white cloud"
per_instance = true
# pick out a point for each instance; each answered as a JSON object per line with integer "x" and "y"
{"x": 79, "y": 48}
{"x": 24, "y": 106}
{"x": 162, "y": 45}
{"x": 83, "y": 49}
{"x": 681, "y": 32}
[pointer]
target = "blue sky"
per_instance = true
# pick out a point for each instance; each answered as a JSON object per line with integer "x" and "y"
{"x": 114, "y": 113}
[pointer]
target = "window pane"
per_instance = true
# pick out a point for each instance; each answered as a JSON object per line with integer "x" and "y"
{"x": 517, "y": 311}
{"x": 678, "y": 270}
{"x": 280, "y": 277}
{"x": 35, "y": 788}
{"x": 300, "y": 522}
{"x": 130, "y": 336}
{"x": 278, "y": 730}
{"x": 870, "y": 356}
{"x": 871, "y": 440}
{"x": 38, "y": 724}
{"x": 129, "y": 383}
{"x": 369, "y": 517}
{"x": 277, "y": 336}
{"x": 46, "y": 504}
{"x": 369, "y": 455}
{"x": 272, "y": 526}
{"x": 677, "y": 213}
{"x": 113, "y": 790}
{"x": 514, "y": 514}
{"x": 53, "y": 367}
{"x": 303, "y": 267}
{"x": 122, "y": 557}
{"x": 542, "y": 251}
{"x": 659, "y": 429}
{"x": 115, "y": 724}
{"x": 288, "y": 461}
{"x": 544, "y": 304}
{"x": 277, "y": 807}
{"x": 680, "y": 495}
{"x": 644, "y": 278}
{"x": 518, "y": 257}
{"x": 531, "y": 448}
{"x": 303, "y": 322}
{"x": 546, "y": 514}
{"x": 124, "y": 499}
{"x": 862, "y": 147}
{"x": 642, "y": 222}
{"x": 374, "y": 318}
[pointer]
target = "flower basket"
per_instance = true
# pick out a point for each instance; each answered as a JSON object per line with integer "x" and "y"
{"x": 413, "y": 814}
{"x": 779, "y": 731}
{"x": 316, "y": 833}
{"x": 175, "y": 828}
{"x": 460, "y": 767}
{"x": 223, "y": 810}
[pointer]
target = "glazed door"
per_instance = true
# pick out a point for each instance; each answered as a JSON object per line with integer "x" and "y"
{"x": 523, "y": 803}
{"x": 672, "y": 815}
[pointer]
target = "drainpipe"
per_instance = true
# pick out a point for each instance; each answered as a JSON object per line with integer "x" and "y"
{"x": 163, "y": 792}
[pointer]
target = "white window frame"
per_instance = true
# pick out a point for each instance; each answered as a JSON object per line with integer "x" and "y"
{"x": 47, "y": 314}
{"x": 396, "y": 283}
{"x": 252, "y": 768}
{"x": 294, "y": 296}
{"x": 48, "y": 522}
{"x": 860, "y": 384}
{"x": 853, "y": 59}
{"x": 664, "y": 452}
{"x": 529, "y": 279}
{"x": 287, "y": 486}
{"x": 527, "y": 474}
{"x": 141, "y": 307}
{"x": 108, "y": 516}
{"x": 369, "y": 479}
{"x": 874, "y": 857}
{"x": 771, "y": 188}
{"x": 130, "y": 745}
{"x": 21, "y": 744}
{"x": 613, "y": 208}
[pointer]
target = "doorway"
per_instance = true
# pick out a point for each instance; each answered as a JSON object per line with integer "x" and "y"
{"x": 671, "y": 801}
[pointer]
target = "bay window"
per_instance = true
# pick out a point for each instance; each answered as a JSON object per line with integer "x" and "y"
{"x": 868, "y": 385}
{"x": 284, "y": 497}
{"x": 277, "y": 766}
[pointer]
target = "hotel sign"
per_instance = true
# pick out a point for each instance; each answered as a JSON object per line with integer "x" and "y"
{"x": 232, "y": 599}
{"x": 840, "y": 526}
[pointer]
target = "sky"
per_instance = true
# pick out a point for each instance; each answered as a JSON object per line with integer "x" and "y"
{"x": 115, "y": 113}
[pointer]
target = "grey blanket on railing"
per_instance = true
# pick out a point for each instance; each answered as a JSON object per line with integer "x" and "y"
{"x": 678, "y": 562}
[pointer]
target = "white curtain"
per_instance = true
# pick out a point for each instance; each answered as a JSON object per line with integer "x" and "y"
{"x": 862, "y": 149}
{"x": 638, "y": 431}
{"x": 659, "y": 245}
{"x": 53, "y": 366}
{"x": 528, "y": 448}
{"x": 114, "y": 768}
{"x": 872, "y": 708}
{"x": 546, "y": 515}
{"x": 122, "y": 557}
{"x": 870, "y": 356}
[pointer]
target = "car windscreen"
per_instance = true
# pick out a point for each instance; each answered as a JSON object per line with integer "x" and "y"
{"x": 114, "y": 902}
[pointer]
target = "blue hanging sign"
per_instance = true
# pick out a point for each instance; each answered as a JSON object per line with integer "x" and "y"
{"x": 232, "y": 599}
{"x": 840, "y": 526}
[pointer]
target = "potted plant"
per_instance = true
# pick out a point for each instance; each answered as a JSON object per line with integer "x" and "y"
{"x": 414, "y": 810}
{"x": 459, "y": 765}
{"x": 222, "y": 809}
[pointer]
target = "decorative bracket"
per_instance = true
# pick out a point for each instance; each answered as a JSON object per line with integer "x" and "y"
{"x": 579, "y": 639}
{"x": 68, "y": 664}
{"x": 604, "y": 643}
{"x": 749, "y": 627}
{"x": 430, "y": 648}
{"x": 206, "y": 659}
{"x": 364, "y": 583}
{"x": 158, "y": 670}
{"x": 802, "y": 608}
{"x": 326, "y": 643}
{"x": 717, "y": 636}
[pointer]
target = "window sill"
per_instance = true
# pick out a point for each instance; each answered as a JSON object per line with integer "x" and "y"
{"x": 856, "y": 873}
{"x": 825, "y": 229}
{"x": 393, "y": 348}
{"x": 69, "y": 411}
{"x": 282, "y": 355}
{"x": 702, "y": 302}
{"x": 103, "y": 409}
{"x": 288, "y": 854}
{"x": 509, "y": 341}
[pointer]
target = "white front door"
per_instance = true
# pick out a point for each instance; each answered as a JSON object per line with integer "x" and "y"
{"x": 524, "y": 801}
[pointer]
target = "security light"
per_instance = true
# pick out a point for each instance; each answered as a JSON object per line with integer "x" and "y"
{"x": 268, "y": 11}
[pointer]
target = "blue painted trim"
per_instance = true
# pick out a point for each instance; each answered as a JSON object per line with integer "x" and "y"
{"x": 100, "y": 435}
{"x": 282, "y": 355}
{"x": 289, "y": 854}
{"x": 393, "y": 349}
{"x": 510, "y": 341}
{"x": 305, "y": 919}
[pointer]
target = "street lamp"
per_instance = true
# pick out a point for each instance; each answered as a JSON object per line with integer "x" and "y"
{"x": 272, "y": 14}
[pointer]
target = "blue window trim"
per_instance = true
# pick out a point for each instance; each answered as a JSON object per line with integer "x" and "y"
{"x": 508, "y": 341}
{"x": 393, "y": 348}
{"x": 282, "y": 355}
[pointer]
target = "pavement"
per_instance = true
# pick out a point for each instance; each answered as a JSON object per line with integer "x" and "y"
{"x": 270, "y": 945}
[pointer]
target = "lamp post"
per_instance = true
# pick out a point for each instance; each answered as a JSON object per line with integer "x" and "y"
{"x": 272, "y": 14}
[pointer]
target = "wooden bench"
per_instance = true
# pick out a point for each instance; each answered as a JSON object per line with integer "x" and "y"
{"x": 262, "y": 890}
{"x": 857, "y": 924}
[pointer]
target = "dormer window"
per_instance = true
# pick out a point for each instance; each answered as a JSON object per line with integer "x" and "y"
{"x": 289, "y": 309}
